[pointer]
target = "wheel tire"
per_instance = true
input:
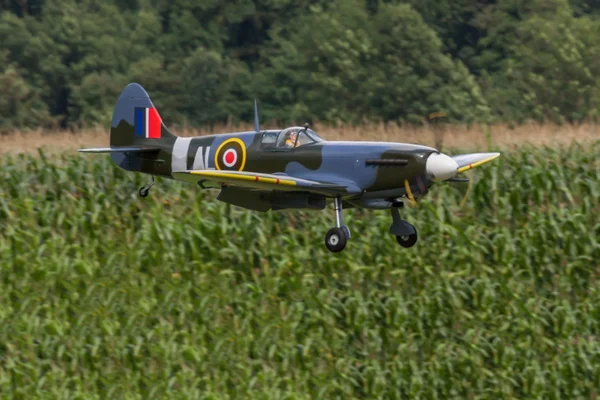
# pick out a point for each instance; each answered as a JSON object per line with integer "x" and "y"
{"x": 144, "y": 192}
{"x": 407, "y": 241}
{"x": 336, "y": 240}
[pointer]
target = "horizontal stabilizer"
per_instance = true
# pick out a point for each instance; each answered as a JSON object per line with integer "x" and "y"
{"x": 119, "y": 149}
{"x": 469, "y": 161}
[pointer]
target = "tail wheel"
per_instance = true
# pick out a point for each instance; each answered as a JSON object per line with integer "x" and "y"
{"x": 336, "y": 239}
{"x": 407, "y": 241}
{"x": 144, "y": 191}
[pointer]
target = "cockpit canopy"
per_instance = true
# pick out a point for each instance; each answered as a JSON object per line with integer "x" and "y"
{"x": 290, "y": 138}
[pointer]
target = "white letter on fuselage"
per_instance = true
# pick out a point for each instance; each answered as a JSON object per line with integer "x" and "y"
{"x": 200, "y": 159}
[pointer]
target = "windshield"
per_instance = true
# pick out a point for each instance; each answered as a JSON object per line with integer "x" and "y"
{"x": 314, "y": 135}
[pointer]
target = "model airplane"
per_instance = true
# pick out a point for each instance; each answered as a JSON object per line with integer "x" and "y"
{"x": 293, "y": 168}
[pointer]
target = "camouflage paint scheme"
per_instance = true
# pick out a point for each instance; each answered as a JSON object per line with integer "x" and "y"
{"x": 339, "y": 162}
{"x": 253, "y": 172}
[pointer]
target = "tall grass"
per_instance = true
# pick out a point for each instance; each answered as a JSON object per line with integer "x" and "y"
{"x": 106, "y": 295}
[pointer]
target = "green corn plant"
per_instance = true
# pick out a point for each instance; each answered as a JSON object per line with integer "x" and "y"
{"x": 106, "y": 295}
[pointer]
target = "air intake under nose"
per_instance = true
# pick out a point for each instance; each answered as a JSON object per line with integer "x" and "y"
{"x": 440, "y": 167}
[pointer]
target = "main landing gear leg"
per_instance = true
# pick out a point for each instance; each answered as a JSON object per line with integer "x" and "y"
{"x": 144, "y": 190}
{"x": 337, "y": 237}
{"x": 406, "y": 234}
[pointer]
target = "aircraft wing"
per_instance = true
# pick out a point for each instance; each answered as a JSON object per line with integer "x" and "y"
{"x": 259, "y": 181}
{"x": 469, "y": 161}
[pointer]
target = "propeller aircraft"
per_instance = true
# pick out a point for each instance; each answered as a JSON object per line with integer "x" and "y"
{"x": 292, "y": 168}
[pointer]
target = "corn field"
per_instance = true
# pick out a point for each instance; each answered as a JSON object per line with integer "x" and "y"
{"x": 104, "y": 295}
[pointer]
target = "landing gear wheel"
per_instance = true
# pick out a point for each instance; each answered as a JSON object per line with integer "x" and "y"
{"x": 336, "y": 239}
{"x": 144, "y": 191}
{"x": 407, "y": 241}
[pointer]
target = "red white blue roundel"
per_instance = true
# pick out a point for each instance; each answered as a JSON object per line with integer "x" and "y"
{"x": 231, "y": 155}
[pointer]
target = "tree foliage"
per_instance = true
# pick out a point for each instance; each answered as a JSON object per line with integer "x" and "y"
{"x": 549, "y": 68}
{"x": 64, "y": 62}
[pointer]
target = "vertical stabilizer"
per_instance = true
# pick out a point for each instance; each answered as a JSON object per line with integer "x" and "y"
{"x": 137, "y": 123}
{"x": 135, "y": 120}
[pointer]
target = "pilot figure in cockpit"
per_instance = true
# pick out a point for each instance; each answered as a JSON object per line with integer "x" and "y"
{"x": 290, "y": 140}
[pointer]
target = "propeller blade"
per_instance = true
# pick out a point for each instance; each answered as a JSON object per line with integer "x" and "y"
{"x": 469, "y": 161}
{"x": 409, "y": 193}
{"x": 464, "y": 200}
{"x": 455, "y": 179}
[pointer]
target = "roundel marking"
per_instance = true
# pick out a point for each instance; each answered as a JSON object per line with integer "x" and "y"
{"x": 231, "y": 155}
{"x": 229, "y": 158}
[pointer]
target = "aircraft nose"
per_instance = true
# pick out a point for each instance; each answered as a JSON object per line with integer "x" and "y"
{"x": 440, "y": 167}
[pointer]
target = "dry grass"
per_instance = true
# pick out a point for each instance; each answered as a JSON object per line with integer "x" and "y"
{"x": 472, "y": 137}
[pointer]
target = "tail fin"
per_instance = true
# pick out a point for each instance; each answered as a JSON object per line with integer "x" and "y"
{"x": 139, "y": 141}
{"x": 136, "y": 121}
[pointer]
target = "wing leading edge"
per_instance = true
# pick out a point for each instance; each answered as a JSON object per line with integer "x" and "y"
{"x": 259, "y": 181}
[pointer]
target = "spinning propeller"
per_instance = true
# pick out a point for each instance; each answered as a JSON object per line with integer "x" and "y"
{"x": 443, "y": 168}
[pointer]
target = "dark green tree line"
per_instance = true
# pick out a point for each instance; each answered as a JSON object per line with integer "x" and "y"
{"x": 64, "y": 62}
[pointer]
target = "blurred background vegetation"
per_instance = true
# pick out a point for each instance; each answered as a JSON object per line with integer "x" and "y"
{"x": 107, "y": 296}
{"x": 64, "y": 62}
